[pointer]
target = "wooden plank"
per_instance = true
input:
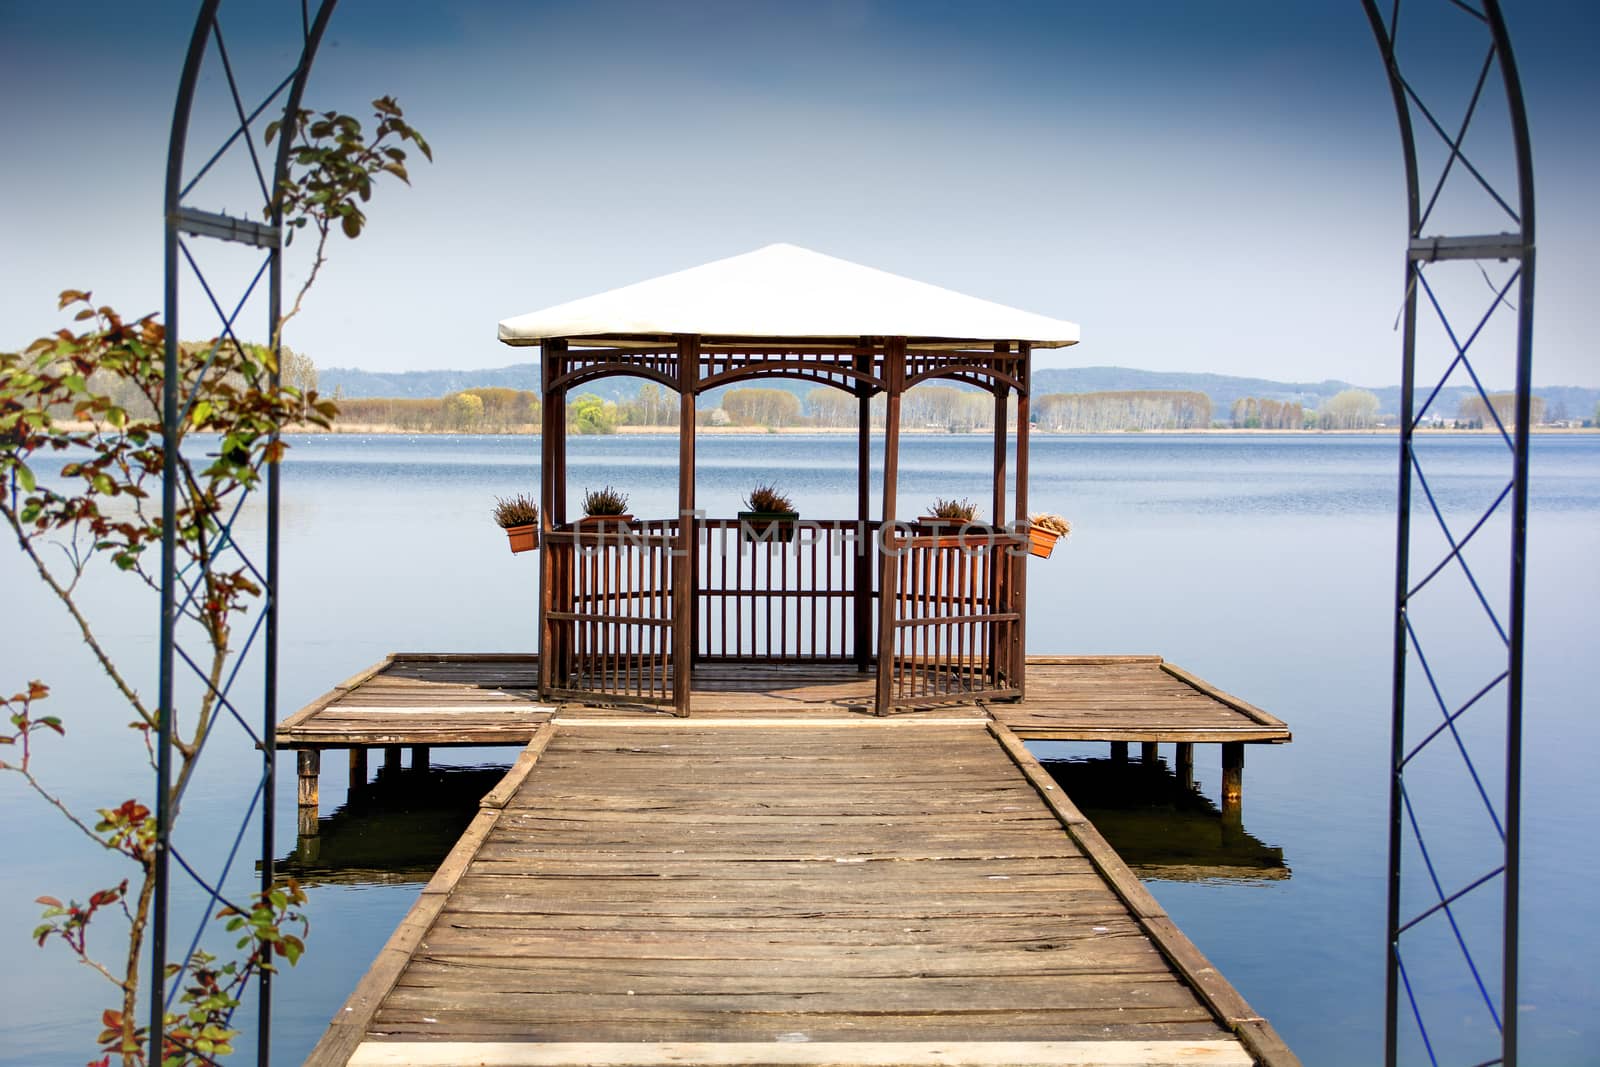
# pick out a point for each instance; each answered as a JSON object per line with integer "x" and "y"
{"x": 568, "y": 718}
{"x": 1043, "y": 661}
{"x": 455, "y": 864}
{"x": 497, "y": 708}
{"x": 463, "y": 657}
{"x": 333, "y": 695}
{"x": 349, "y": 1027}
{"x": 1220, "y": 996}
{"x": 805, "y": 1054}
{"x": 503, "y": 790}
{"x": 1203, "y": 686}
{"x": 422, "y": 698}
{"x": 726, "y": 884}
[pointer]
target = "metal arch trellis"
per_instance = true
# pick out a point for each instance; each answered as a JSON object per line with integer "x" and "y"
{"x": 182, "y": 218}
{"x": 1515, "y": 210}
{"x": 177, "y": 587}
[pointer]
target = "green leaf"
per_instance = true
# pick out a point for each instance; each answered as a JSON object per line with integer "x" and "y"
{"x": 26, "y": 480}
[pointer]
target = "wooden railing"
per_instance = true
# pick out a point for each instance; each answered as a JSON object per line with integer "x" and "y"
{"x": 805, "y": 593}
{"x": 956, "y": 626}
{"x": 610, "y": 611}
{"x": 785, "y": 593}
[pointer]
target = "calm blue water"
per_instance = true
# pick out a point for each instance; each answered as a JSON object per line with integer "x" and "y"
{"x": 1263, "y": 564}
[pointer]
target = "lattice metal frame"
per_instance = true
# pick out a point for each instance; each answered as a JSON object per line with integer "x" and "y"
{"x": 1422, "y": 251}
{"x": 185, "y": 221}
{"x": 182, "y": 218}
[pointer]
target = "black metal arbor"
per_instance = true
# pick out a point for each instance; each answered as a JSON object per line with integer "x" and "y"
{"x": 185, "y": 221}
{"x": 1441, "y": 743}
{"x": 185, "y": 260}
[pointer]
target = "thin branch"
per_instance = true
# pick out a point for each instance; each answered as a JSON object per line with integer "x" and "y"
{"x": 316, "y": 267}
{"x": 57, "y": 803}
{"x": 65, "y": 596}
{"x": 104, "y": 971}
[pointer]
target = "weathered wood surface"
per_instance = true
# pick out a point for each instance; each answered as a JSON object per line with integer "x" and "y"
{"x": 753, "y": 889}
{"x": 817, "y": 1054}
{"x": 1130, "y": 699}
{"x": 423, "y": 699}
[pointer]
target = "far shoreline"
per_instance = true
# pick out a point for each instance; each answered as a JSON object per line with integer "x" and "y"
{"x": 375, "y": 429}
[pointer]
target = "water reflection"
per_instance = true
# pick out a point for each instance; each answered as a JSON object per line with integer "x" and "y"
{"x": 398, "y": 829}
{"x": 1164, "y": 829}
{"x": 395, "y": 831}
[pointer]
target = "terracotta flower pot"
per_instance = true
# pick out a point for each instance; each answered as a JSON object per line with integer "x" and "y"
{"x": 523, "y": 538}
{"x": 755, "y": 524}
{"x": 1042, "y": 542}
{"x": 967, "y": 534}
{"x": 603, "y": 521}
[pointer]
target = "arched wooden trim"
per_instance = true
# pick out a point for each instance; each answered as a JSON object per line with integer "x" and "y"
{"x": 585, "y": 375}
{"x": 965, "y": 371}
{"x": 804, "y": 372}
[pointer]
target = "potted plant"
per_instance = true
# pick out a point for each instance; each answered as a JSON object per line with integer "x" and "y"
{"x": 605, "y": 507}
{"x": 768, "y": 508}
{"x": 950, "y": 512}
{"x": 518, "y": 516}
{"x": 1044, "y": 530}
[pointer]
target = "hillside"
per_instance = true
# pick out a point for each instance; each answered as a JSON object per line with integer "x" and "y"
{"x": 1223, "y": 389}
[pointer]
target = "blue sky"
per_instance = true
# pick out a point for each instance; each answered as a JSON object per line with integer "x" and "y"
{"x": 1211, "y": 187}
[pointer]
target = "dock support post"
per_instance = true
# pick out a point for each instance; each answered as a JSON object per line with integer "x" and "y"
{"x": 1149, "y": 753}
{"x": 310, "y": 767}
{"x": 419, "y": 759}
{"x": 1185, "y": 754}
{"x": 1119, "y": 751}
{"x": 391, "y": 760}
{"x": 1232, "y": 776}
{"x": 358, "y": 769}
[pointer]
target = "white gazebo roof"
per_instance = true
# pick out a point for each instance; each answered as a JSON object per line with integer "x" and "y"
{"x": 789, "y": 292}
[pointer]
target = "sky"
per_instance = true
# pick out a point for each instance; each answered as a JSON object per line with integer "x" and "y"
{"x": 1202, "y": 186}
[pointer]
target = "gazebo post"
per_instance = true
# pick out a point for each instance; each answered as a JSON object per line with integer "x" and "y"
{"x": 894, "y": 367}
{"x": 1000, "y": 661}
{"x": 1019, "y": 661}
{"x": 1000, "y": 393}
{"x": 863, "y": 543}
{"x": 552, "y": 496}
{"x": 685, "y": 606}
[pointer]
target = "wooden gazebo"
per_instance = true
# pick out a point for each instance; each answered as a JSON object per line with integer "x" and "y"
{"x": 938, "y": 611}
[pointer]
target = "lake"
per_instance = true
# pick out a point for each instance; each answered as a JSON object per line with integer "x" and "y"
{"x": 1262, "y": 563}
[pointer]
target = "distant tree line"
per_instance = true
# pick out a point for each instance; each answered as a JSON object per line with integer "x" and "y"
{"x": 1474, "y": 413}
{"x": 1123, "y": 410}
{"x": 492, "y": 410}
{"x": 1254, "y": 413}
{"x": 956, "y": 409}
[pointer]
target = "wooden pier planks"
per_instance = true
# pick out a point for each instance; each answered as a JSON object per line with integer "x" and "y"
{"x": 491, "y": 699}
{"x": 1132, "y": 698}
{"x": 899, "y": 882}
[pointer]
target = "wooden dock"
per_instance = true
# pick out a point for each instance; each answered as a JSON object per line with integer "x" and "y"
{"x": 423, "y": 700}
{"x": 786, "y": 891}
{"x": 492, "y": 699}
